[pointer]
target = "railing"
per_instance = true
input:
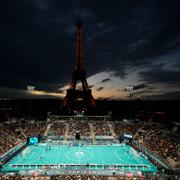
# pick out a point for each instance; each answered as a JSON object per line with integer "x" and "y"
{"x": 123, "y": 167}
{"x": 56, "y": 117}
{"x": 150, "y": 154}
{"x": 9, "y": 154}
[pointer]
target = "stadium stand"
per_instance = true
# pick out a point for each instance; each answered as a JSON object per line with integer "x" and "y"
{"x": 12, "y": 133}
{"x": 101, "y": 128}
{"x": 57, "y": 129}
{"x": 83, "y": 177}
{"x": 153, "y": 136}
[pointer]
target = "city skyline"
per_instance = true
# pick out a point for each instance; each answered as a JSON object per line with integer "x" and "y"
{"x": 126, "y": 43}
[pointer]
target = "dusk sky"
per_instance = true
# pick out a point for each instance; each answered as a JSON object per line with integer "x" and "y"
{"x": 126, "y": 43}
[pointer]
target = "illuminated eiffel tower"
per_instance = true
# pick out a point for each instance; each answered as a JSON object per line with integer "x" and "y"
{"x": 79, "y": 99}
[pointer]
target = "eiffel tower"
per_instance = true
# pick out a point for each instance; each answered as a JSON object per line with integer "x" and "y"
{"x": 79, "y": 99}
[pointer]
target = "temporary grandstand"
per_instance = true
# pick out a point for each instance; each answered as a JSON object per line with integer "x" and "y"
{"x": 74, "y": 146}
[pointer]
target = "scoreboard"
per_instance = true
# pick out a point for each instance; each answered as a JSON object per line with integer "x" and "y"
{"x": 32, "y": 140}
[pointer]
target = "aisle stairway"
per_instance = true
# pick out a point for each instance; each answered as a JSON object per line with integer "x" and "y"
{"x": 66, "y": 131}
{"x": 47, "y": 130}
{"x": 92, "y": 134}
{"x": 111, "y": 130}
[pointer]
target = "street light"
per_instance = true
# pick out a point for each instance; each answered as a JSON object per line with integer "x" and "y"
{"x": 30, "y": 89}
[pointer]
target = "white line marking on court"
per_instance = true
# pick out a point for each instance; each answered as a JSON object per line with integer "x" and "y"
{"x": 122, "y": 160}
{"x": 71, "y": 152}
{"x": 79, "y": 160}
{"x": 42, "y": 153}
{"x": 100, "y": 155}
{"x": 60, "y": 149}
{"x": 21, "y": 158}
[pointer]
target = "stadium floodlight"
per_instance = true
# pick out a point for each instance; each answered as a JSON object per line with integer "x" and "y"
{"x": 30, "y": 89}
{"x": 129, "y": 89}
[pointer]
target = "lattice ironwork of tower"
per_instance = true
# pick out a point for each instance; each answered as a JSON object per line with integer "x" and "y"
{"x": 78, "y": 99}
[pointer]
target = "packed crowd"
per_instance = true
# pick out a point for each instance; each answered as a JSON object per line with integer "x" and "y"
{"x": 101, "y": 128}
{"x": 84, "y": 177}
{"x": 11, "y": 177}
{"x": 12, "y": 133}
{"x": 57, "y": 129}
{"x": 80, "y": 126}
{"x": 153, "y": 136}
{"x": 158, "y": 141}
{"x": 120, "y": 128}
{"x": 33, "y": 128}
{"x": 8, "y": 139}
{"x": 91, "y": 177}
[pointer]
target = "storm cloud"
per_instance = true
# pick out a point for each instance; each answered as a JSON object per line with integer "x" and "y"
{"x": 38, "y": 39}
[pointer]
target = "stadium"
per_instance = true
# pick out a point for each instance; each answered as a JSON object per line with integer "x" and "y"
{"x": 86, "y": 147}
{"x": 120, "y": 121}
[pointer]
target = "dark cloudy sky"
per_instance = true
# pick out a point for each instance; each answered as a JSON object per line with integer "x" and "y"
{"x": 126, "y": 43}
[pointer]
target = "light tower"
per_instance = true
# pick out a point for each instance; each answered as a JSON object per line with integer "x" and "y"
{"x": 30, "y": 89}
{"x": 130, "y": 89}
